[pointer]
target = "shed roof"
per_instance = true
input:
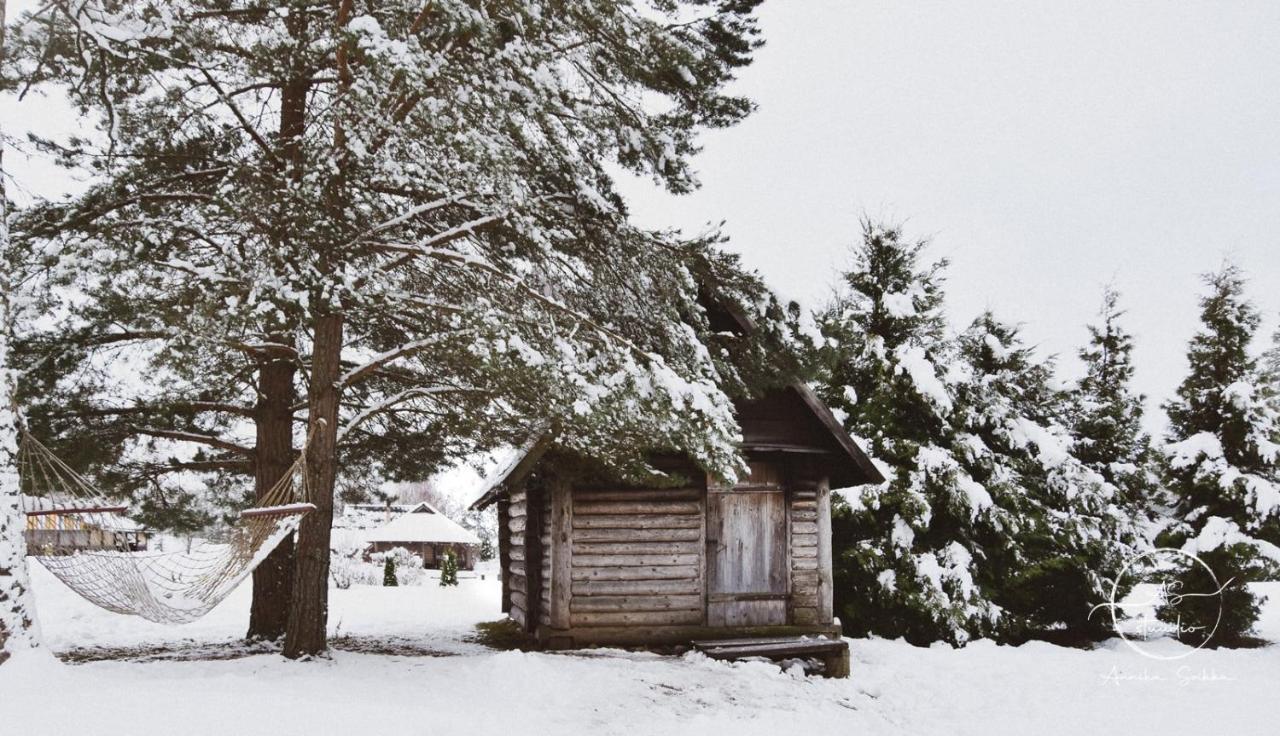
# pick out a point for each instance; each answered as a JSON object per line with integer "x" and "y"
{"x": 424, "y": 523}
{"x": 850, "y": 466}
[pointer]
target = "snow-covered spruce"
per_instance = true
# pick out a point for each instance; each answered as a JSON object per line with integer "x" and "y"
{"x": 1222, "y": 464}
{"x": 988, "y": 525}
{"x": 1106, "y": 418}
{"x": 1057, "y": 534}
{"x": 885, "y": 342}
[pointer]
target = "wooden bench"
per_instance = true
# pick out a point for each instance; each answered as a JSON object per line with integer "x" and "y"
{"x": 834, "y": 653}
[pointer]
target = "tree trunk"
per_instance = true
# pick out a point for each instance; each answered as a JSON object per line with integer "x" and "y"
{"x": 18, "y": 629}
{"x": 273, "y": 579}
{"x": 17, "y": 614}
{"x": 309, "y": 609}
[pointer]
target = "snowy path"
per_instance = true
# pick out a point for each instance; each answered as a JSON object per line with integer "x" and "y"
{"x": 895, "y": 689}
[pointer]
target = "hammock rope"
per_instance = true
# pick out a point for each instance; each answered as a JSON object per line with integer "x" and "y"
{"x": 82, "y": 536}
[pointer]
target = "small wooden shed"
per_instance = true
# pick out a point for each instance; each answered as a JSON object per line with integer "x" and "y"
{"x": 587, "y": 560}
{"x": 426, "y": 532}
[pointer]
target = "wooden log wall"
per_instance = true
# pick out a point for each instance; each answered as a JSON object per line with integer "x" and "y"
{"x": 637, "y": 557}
{"x": 544, "y": 559}
{"x": 806, "y": 578}
{"x": 826, "y": 585}
{"x": 518, "y": 580}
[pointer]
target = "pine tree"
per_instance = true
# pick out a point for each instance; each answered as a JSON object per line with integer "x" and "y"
{"x": 415, "y": 204}
{"x": 1270, "y": 368}
{"x": 389, "y": 572}
{"x": 1107, "y": 416}
{"x": 1056, "y": 535}
{"x": 1222, "y": 462}
{"x": 903, "y": 551}
{"x": 449, "y": 570}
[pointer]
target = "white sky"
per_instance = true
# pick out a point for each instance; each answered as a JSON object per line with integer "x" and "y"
{"x": 1046, "y": 148}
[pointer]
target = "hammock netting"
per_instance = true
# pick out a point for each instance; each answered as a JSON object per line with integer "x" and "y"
{"x": 82, "y": 536}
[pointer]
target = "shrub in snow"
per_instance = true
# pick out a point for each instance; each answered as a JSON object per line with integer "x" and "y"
{"x": 389, "y": 572}
{"x": 343, "y": 569}
{"x": 449, "y": 569}
{"x": 1222, "y": 458}
{"x": 408, "y": 566}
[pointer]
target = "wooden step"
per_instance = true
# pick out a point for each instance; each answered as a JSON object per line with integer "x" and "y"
{"x": 833, "y": 652}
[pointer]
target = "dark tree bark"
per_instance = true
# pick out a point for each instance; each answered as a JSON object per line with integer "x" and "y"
{"x": 309, "y": 609}
{"x": 273, "y": 579}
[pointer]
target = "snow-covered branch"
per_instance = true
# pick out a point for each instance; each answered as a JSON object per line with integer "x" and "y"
{"x": 391, "y": 401}
{"x": 202, "y": 439}
{"x": 363, "y": 371}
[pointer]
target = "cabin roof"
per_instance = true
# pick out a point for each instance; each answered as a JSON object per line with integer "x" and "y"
{"x": 422, "y": 523}
{"x": 849, "y": 465}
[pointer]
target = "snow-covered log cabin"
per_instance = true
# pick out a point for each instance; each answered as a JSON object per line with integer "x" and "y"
{"x": 587, "y": 560}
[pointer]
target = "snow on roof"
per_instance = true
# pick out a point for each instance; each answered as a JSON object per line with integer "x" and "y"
{"x": 423, "y": 524}
{"x": 395, "y": 508}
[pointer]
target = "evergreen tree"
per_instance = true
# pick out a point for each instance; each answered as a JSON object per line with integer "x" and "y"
{"x": 903, "y": 551}
{"x": 1270, "y": 367}
{"x": 414, "y": 205}
{"x": 449, "y": 570}
{"x": 1107, "y": 417}
{"x": 987, "y": 524}
{"x": 389, "y": 572}
{"x": 1222, "y": 463}
{"x": 1056, "y": 535}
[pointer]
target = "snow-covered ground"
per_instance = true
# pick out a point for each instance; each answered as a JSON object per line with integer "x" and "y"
{"x": 895, "y": 689}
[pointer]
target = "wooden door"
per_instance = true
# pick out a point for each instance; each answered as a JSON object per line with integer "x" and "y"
{"x": 747, "y": 566}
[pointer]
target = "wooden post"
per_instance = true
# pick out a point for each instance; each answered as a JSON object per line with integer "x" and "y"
{"x": 561, "y": 552}
{"x": 825, "y": 584}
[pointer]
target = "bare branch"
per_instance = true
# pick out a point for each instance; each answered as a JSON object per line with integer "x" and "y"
{"x": 244, "y": 122}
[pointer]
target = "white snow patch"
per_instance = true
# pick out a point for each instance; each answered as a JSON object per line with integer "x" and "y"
{"x": 1220, "y": 532}
{"x": 1189, "y": 451}
{"x": 915, "y": 363}
{"x": 896, "y": 688}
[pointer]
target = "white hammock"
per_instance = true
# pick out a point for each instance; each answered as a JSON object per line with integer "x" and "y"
{"x": 82, "y": 537}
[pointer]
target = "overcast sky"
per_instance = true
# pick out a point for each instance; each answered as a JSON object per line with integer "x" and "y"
{"x": 1045, "y": 148}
